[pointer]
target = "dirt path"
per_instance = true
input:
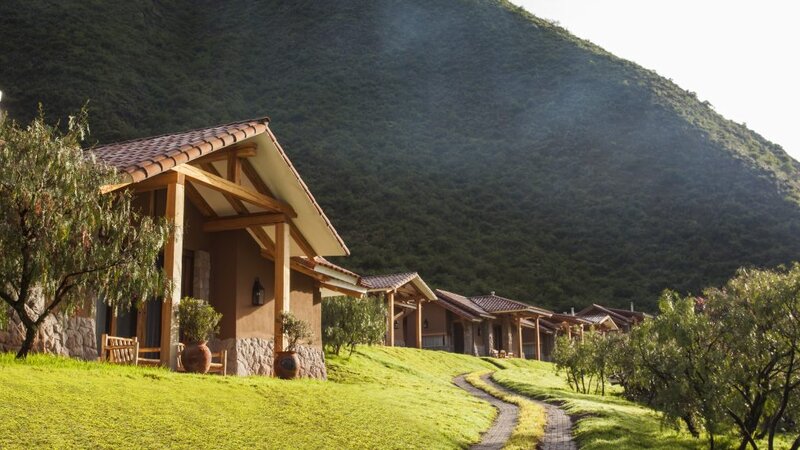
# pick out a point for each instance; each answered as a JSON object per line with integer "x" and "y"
{"x": 495, "y": 438}
{"x": 557, "y": 430}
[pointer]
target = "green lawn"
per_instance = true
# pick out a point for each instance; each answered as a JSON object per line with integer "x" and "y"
{"x": 379, "y": 398}
{"x": 606, "y": 422}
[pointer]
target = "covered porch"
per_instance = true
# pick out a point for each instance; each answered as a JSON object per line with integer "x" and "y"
{"x": 247, "y": 233}
{"x": 405, "y": 294}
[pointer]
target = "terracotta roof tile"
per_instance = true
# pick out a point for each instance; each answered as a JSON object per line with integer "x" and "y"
{"x": 462, "y": 303}
{"x": 144, "y": 158}
{"x": 391, "y": 281}
{"x": 495, "y": 304}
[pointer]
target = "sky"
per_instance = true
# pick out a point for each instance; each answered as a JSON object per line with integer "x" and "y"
{"x": 741, "y": 56}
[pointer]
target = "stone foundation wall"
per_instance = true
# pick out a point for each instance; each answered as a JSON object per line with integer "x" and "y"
{"x": 59, "y": 334}
{"x": 254, "y": 356}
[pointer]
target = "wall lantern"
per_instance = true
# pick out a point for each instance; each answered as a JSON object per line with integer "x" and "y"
{"x": 425, "y": 324}
{"x": 396, "y": 325}
{"x": 258, "y": 293}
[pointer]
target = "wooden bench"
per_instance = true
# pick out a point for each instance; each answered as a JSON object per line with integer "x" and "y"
{"x": 220, "y": 366}
{"x": 119, "y": 350}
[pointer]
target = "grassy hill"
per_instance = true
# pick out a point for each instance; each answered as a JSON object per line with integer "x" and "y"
{"x": 379, "y": 398}
{"x": 465, "y": 139}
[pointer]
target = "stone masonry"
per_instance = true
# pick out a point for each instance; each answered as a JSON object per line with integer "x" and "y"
{"x": 59, "y": 334}
{"x": 254, "y": 356}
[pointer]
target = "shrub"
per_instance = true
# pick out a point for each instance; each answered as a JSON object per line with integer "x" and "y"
{"x": 347, "y": 322}
{"x": 199, "y": 321}
{"x": 295, "y": 330}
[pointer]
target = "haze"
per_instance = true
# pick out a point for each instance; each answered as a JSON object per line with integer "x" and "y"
{"x": 739, "y": 56}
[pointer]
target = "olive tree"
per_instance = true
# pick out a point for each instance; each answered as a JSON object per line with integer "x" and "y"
{"x": 62, "y": 241}
{"x": 348, "y": 321}
{"x": 757, "y": 312}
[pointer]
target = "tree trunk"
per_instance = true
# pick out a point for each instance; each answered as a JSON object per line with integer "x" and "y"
{"x": 27, "y": 344}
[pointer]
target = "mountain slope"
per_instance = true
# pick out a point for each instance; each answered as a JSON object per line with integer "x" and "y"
{"x": 468, "y": 140}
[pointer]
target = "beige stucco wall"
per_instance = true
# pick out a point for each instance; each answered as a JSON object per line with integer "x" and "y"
{"x": 436, "y": 317}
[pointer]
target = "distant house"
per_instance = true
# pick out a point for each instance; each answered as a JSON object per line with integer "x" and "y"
{"x": 250, "y": 238}
{"x": 604, "y": 318}
{"x": 486, "y": 325}
{"x": 405, "y": 294}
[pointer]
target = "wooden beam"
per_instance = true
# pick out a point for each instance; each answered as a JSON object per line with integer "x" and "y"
{"x": 242, "y": 221}
{"x": 106, "y": 188}
{"x": 157, "y": 182}
{"x": 251, "y": 174}
{"x": 240, "y": 192}
{"x": 282, "y": 276}
{"x": 538, "y": 341}
{"x": 519, "y": 336}
{"x": 390, "y": 318}
{"x": 257, "y": 232}
{"x": 223, "y": 155}
{"x": 418, "y": 323}
{"x": 301, "y": 241}
{"x": 198, "y": 201}
{"x": 234, "y": 168}
{"x": 173, "y": 257}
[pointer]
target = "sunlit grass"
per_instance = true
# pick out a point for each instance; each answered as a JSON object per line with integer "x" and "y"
{"x": 379, "y": 398}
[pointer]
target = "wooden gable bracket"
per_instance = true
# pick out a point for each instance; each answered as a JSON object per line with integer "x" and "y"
{"x": 242, "y": 221}
{"x": 234, "y": 190}
{"x": 247, "y": 151}
{"x": 250, "y": 173}
{"x": 256, "y": 232}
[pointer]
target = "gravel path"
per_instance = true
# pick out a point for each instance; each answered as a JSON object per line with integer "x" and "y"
{"x": 498, "y": 434}
{"x": 557, "y": 430}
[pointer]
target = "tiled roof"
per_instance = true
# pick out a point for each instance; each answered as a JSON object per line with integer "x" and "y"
{"x": 567, "y": 318}
{"x": 144, "y": 158}
{"x": 629, "y": 314}
{"x": 495, "y": 304}
{"x": 462, "y": 303}
{"x": 604, "y": 311}
{"x": 391, "y": 281}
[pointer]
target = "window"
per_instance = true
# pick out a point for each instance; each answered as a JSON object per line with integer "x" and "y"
{"x": 433, "y": 341}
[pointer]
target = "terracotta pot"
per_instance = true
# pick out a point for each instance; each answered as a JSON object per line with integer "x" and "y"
{"x": 196, "y": 358}
{"x": 287, "y": 365}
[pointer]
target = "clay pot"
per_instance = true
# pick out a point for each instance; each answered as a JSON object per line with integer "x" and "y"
{"x": 287, "y": 365}
{"x": 196, "y": 358}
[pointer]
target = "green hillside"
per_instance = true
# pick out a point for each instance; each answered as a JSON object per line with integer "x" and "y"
{"x": 468, "y": 140}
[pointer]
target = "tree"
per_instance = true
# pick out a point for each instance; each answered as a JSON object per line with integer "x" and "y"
{"x": 61, "y": 240}
{"x": 680, "y": 365}
{"x": 347, "y": 322}
{"x": 759, "y": 312}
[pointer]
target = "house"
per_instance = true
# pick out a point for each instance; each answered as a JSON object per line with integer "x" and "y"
{"x": 249, "y": 237}
{"x": 606, "y": 319}
{"x": 486, "y": 325}
{"x": 405, "y": 294}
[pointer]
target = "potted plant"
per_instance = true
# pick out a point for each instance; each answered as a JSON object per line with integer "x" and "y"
{"x": 287, "y": 364}
{"x": 199, "y": 322}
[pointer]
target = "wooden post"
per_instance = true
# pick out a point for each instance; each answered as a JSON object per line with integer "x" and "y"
{"x": 418, "y": 322}
{"x": 581, "y": 332}
{"x": 173, "y": 257}
{"x": 538, "y": 341}
{"x": 282, "y": 275}
{"x": 519, "y": 337}
{"x": 390, "y": 323}
{"x": 569, "y": 331}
